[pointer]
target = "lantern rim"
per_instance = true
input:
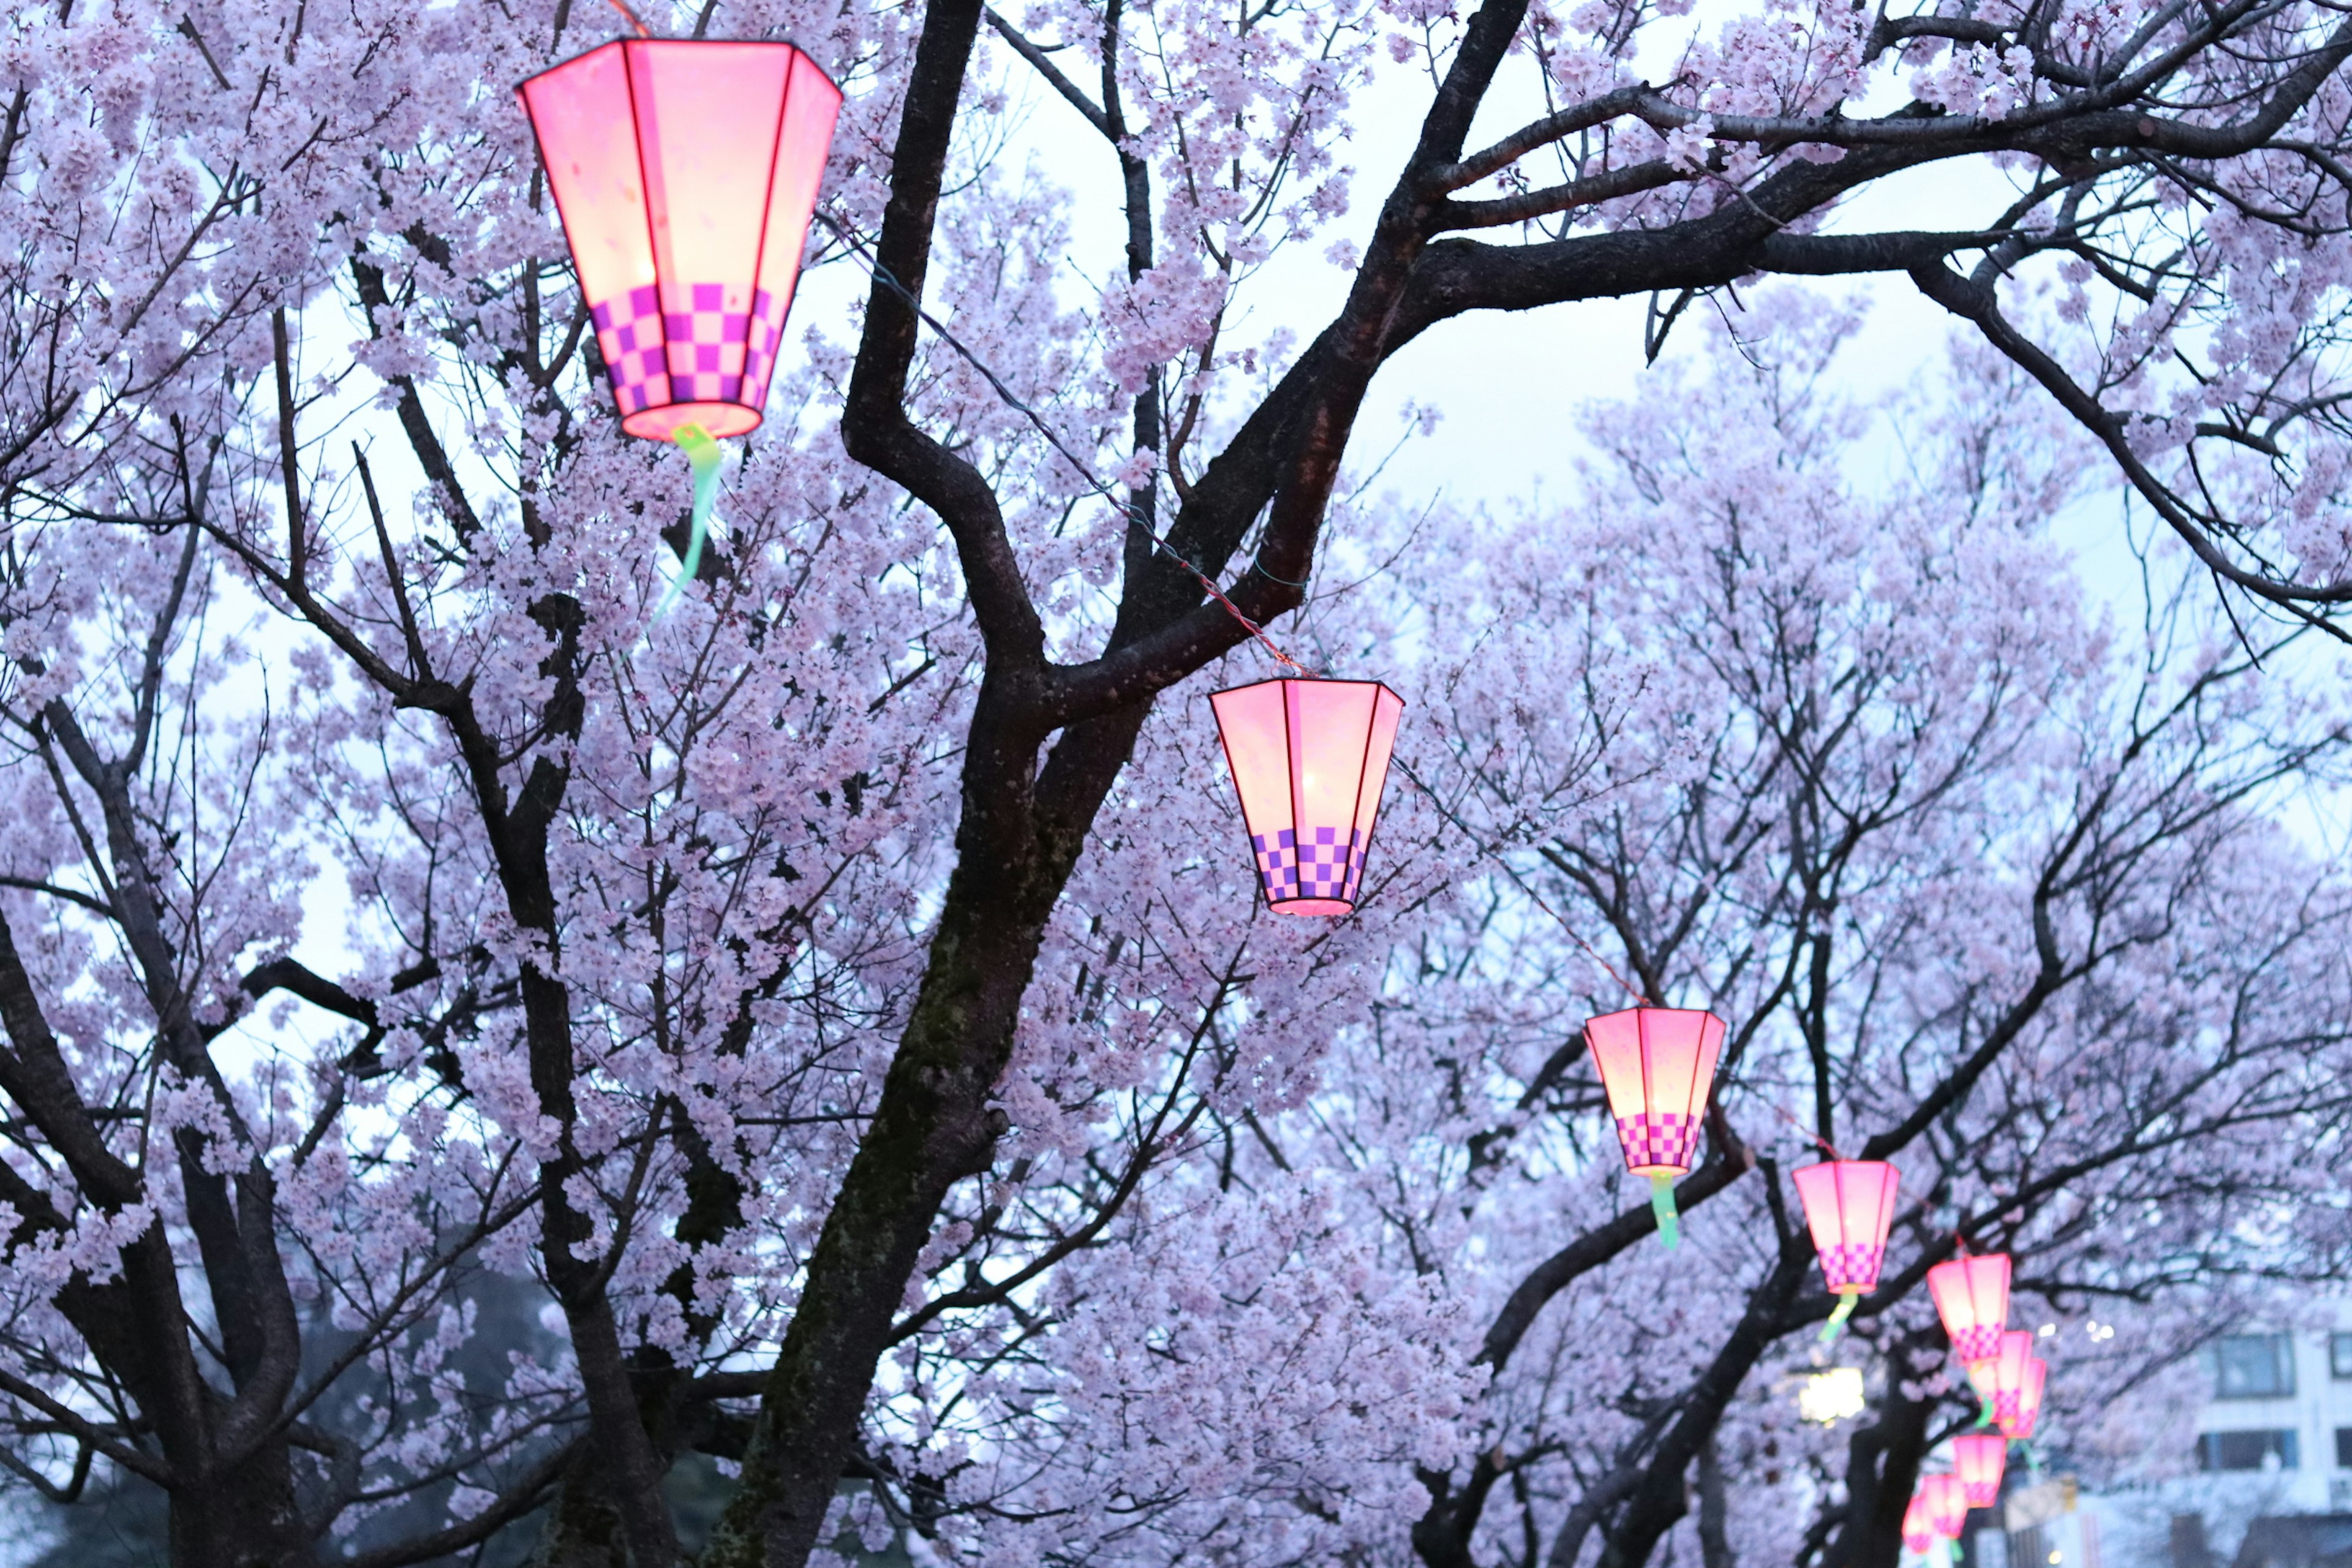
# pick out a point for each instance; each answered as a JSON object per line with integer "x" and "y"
{"x": 1306, "y": 907}
{"x": 1645, "y": 1007}
{"x": 624, "y": 41}
{"x": 718, "y": 419}
{"x": 1317, "y": 679}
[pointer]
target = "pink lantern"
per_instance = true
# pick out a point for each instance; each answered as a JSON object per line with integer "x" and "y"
{"x": 1978, "y": 1459}
{"x": 1309, "y": 759}
{"x": 2001, "y": 1379}
{"x": 1918, "y": 1534}
{"x": 1658, "y": 1066}
{"x": 1849, "y": 1204}
{"x": 2019, "y": 1428}
{"x": 1971, "y": 1295}
{"x": 1945, "y": 1505}
{"x": 686, "y": 170}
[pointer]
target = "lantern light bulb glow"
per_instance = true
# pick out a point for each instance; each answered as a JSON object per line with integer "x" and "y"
{"x": 1831, "y": 1396}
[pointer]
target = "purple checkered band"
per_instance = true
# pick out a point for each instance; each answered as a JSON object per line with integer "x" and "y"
{"x": 1852, "y": 1264}
{"x": 1665, "y": 1138}
{"x": 2005, "y": 1410}
{"x": 1320, "y": 863}
{"x": 1980, "y": 1343}
{"x": 707, "y": 354}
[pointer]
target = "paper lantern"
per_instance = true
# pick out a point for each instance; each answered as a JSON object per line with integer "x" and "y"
{"x": 2003, "y": 1379}
{"x": 1849, "y": 1204}
{"x": 1947, "y": 1505}
{"x": 1918, "y": 1534}
{"x": 2019, "y": 1428}
{"x": 1971, "y": 1295}
{"x": 1309, "y": 759}
{"x": 1976, "y": 1460}
{"x": 686, "y": 170}
{"x": 1657, "y": 1065}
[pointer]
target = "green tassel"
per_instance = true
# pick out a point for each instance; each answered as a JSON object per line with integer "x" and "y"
{"x": 1985, "y": 1419}
{"x": 1662, "y": 1204}
{"x": 1837, "y": 1318}
{"x": 708, "y": 457}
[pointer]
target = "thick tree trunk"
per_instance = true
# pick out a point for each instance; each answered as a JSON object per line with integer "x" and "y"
{"x": 243, "y": 1517}
{"x": 932, "y": 1126}
{"x": 1664, "y": 1498}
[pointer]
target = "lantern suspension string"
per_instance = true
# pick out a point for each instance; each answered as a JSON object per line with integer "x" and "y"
{"x": 1521, "y": 882}
{"x": 1828, "y": 1147}
{"x": 882, "y": 274}
{"x": 635, "y": 20}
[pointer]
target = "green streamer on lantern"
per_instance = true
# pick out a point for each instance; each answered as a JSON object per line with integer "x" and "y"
{"x": 708, "y": 457}
{"x": 1984, "y": 1419}
{"x": 1837, "y": 1318}
{"x": 1662, "y": 1204}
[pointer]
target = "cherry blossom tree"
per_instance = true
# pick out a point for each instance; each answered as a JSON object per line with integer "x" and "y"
{"x": 840, "y": 996}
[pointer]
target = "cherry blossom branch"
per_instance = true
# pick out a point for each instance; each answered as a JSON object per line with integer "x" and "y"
{"x": 1977, "y": 304}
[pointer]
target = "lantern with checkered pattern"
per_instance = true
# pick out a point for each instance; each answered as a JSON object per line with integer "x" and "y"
{"x": 1978, "y": 1459}
{"x": 685, "y": 171}
{"x": 1309, "y": 759}
{"x": 1657, "y": 1065}
{"x": 1918, "y": 1534}
{"x": 2023, "y": 1404}
{"x": 1946, "y": 1504}
{"x": 1849, "y": 1204}
{"x": 1971, "y": 1295}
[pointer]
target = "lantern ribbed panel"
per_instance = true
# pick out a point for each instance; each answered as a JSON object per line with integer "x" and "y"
{"x": 686, "y": 170}
{"x": 1849, "y": 1204}
{"x": 1947, "y": 1505}
{"x": 1918, "y": 1534}
{"x": 1971, "y": 1295}
{"x": 1309, "y": 759}
{"x": 1657, "y": 1064}
{"x": 1978, "y": 1459}
{"x": 2005, "y": 1381}
{"x": 2018, "y": 1425}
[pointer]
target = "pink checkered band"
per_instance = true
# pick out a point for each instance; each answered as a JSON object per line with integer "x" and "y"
{"x": 702, "y": 353}
{"x": 1980, "y": 1343}
{"x": 1310, "y": 863}
{"x": 2005, "y": 1409}
{"x": 1663, "y": 1139}
{"x": 1850, "y": 1265}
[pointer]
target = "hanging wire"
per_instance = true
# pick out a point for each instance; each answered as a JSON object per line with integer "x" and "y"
{"x": 1513, "y": 873}
{"x": 882, "y": 274}
{"x": 1829, "y": 1147}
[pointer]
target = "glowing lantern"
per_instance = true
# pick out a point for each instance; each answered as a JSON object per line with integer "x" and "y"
{"x": 2001, "y": 1379}
{"x": 2020, "y": 1427}
{"x": 1976, "y": 1460}
{"x": 1918, "y": 1534}
{"x": 1947, "y": 1505}
{"x": 685, "y": 171}
{"x": 1309, "y": 759}
{"x": 1971, "y": 1295}
{"x": 1849, "y": 1204}
{"x": 1658, "y": 1065}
